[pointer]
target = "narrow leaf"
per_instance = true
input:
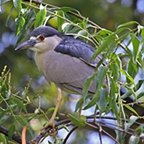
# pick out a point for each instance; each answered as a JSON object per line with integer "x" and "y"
{"x": 22, "y": 120}
{"x": 40, "y": 17}
{"x": 93, "y": 101}
{"x": 132, "y": 68}
{"x": 11, "y": 131}
{"x": 79, "y": 104}
{"x": 131, "y": 23}
{"x": 127, "y": 76}
{"x": 135, "y": 43}
{"x": 19, "y": 24}
{"x": 131, "y": 109}
{"x": 78, "y": 120}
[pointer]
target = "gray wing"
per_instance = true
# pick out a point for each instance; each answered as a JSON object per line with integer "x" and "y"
{"x": 70, "y": 64}
{"x": 67, "y": 72}
{"x": 77, "y": 48}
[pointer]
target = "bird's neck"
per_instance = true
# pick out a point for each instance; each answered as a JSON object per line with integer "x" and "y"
{"x": 49, "y": 44}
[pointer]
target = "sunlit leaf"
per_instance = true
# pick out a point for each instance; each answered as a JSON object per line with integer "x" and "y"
{"x": 17, "y": 4}
{"x": 40, "y": 16}
{"x": 3, "y": 139}
{"x": 61, "y": 19}
{"x": 127, "y": 76}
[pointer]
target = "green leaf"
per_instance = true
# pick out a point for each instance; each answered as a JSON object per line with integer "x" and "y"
{"x": 131, "y": 109}
{"x": 131, "y": 23}
{"x": 3, "y": 139}
{"x": 140, "y": 95}
{"x": 40, "y": 16}
{"x": 115, "y": 66}
{"x": 19, "y": 24}
{"x": 103, "y": 101}
{"x": 19, "y": 103}
{"x": 22, "y": 120}
{"x": 100, "y": 77}
{"x": 17, "y": 4}
{"x": 103, "y": 33}
{"x": 135, "y": 43}
{"x": 79, "y": 104}
{"x": 61, "y": 19}
{"x": 113, "y": 91}
{"x": 115, "y": 109}
{"x": 93, "y": 101}
{"x": 11, "y": 131}
{"x": 29, "y": 20}
{"x": 142, "y": 33}
{"x": 66, "y": 9}
{"x": 138, "y": 85}
{"x": 107, "y": 46}
{"x": 132, "y": 91}
{"x": 77, "y": 119}
{"x": 87, "y": 84}
{"x": 127, "y": 76}
{"x": 132, "y": 68}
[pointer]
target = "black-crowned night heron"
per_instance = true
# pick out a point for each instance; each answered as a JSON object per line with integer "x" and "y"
{"x": 63, "y": 59}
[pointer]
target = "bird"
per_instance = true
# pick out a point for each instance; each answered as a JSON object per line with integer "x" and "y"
{"x": 63, "y": 59}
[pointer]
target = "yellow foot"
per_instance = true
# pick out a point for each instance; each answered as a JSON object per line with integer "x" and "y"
{"x": 51, "y": 123}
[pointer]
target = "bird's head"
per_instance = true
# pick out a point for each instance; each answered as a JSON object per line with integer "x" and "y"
{"x": 42, "y": 38}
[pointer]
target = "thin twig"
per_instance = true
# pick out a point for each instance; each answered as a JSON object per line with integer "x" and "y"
{"x": 100, "y": 134}
{"x": 48, "y": 130}
{"x": 96, "y": 127}
{"x": 70, "y": 12}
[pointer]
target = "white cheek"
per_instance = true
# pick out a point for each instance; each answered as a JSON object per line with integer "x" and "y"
{"x": 41, "y": 46}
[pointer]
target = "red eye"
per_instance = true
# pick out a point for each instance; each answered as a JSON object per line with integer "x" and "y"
{"x": 41, "y": 37}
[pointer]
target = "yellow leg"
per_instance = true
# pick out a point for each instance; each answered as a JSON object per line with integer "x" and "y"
{"x": 58, "y": 104}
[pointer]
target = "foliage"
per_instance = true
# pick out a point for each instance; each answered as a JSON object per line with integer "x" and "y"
{"x": 120, "y": 67}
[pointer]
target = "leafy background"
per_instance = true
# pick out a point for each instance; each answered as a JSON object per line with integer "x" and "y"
{"x": 25, "y": 98}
